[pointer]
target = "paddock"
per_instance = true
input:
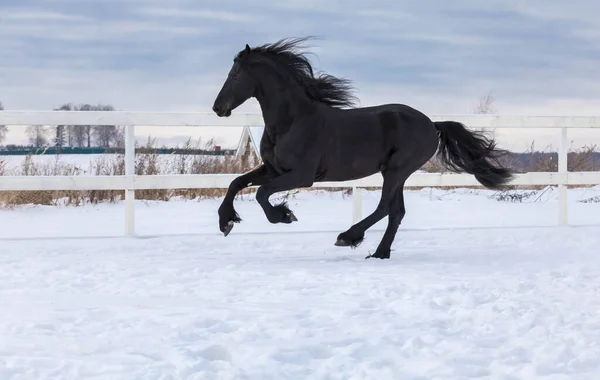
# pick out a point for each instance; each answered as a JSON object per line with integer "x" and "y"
{"x": 479, "y": 285}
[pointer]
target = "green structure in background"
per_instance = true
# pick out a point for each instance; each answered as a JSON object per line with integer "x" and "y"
{"x": 24, "y": 151}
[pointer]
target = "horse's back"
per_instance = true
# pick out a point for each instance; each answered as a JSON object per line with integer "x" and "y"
{"x": 382, "y": 125}
{"x": 362, "y": 139}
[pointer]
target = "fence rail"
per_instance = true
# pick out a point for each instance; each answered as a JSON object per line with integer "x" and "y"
{"x": 131, "y": 182}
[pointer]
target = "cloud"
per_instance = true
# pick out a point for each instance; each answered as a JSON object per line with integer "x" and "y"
{"x": 536, "y": 56}
{"x": 198, "y": 15}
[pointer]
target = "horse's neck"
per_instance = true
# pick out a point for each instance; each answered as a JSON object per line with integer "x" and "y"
{"x": 280, "y": 106}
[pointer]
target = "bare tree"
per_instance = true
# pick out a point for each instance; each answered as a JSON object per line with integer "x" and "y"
{"x": 485, "y": 105}
{"x": 85, "y": 130}
{"x": 119, "y": 141}
{"x": 107, "y": 135}
{"x": 62, "y": 133}
{"x": 83, "y": 135}
{"x": 78, "y": 135}
{"x": 37, "y": 135}
{"x": 59, "y": 137}
{"x": 3, "y": 128}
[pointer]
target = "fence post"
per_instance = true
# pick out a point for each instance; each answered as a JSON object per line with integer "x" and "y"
{"x": 129, "y": 185}
{"x": 356, "y": 204}
{"x": 563, "y": 169}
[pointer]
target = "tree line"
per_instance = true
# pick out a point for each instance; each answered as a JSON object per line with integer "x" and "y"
{"x": 84, "y": 136}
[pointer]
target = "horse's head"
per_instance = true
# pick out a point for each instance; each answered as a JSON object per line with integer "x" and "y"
{"x": 239, "y": 86}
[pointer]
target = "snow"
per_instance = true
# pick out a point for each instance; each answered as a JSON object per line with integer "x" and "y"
{"x": 469, "y": 292}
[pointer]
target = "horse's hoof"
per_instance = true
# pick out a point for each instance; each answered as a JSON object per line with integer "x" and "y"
{"x": 287, "y": 218}
{"x": 281, "y": 214}
{"x": 228, "y": 228}
{"x": 342, "y": 243}
{"x": 379, "y": 255}
{"x": 291, "y": 217}
{"x": 346, "y": 239}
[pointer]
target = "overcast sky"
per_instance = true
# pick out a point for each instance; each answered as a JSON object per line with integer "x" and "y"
{"x": 536, "y": 57}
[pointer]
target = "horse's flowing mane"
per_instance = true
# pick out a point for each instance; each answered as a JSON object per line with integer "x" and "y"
{"x": 324, "y": 88}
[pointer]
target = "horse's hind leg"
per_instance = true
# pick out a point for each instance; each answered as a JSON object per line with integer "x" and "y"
{"x": 355, "y": 234}
{"x": 395, "y": 216}
{"x": 391, "y": 204}
{"x": 402, "y": 168}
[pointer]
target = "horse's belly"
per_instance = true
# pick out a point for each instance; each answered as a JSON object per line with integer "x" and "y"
{"x": 350, "y": 168}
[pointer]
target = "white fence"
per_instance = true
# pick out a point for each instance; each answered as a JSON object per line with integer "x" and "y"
{"x": 131, "y": 182}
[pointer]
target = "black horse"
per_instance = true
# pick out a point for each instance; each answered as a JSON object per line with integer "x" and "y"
{"x": 314, "y": 133}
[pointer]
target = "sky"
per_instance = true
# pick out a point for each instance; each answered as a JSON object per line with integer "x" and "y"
{"x": 535, "y": 57}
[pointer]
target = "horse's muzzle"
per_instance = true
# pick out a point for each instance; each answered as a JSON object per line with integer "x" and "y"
{"x": 222, "y": 111}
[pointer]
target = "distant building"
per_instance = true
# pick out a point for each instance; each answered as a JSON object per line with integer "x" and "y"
{"x": 249, "y": 145}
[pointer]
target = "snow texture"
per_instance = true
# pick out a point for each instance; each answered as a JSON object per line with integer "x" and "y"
{"x": 282, "y": 302}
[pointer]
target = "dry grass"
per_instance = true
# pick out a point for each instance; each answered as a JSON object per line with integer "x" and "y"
{"x": 114, "y": 164}
{"x": 155, "y": 164}
{"x": 30, "y": 168}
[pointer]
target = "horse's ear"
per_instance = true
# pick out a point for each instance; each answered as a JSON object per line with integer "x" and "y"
{"x": 247, "y": 49}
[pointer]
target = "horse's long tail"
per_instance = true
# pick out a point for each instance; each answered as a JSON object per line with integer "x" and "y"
{"x": 461, "y": 150}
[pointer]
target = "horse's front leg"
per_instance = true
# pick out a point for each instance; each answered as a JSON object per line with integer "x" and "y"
{"x": 227, "y": 214}
{"x": 287, "y": 181}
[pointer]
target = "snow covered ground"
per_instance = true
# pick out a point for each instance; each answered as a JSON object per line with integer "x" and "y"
{"x": 282, "y": 302}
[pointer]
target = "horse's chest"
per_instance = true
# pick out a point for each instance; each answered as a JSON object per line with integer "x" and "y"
{"x": 285, "y": 155}
{"x": 292, "y": 148}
